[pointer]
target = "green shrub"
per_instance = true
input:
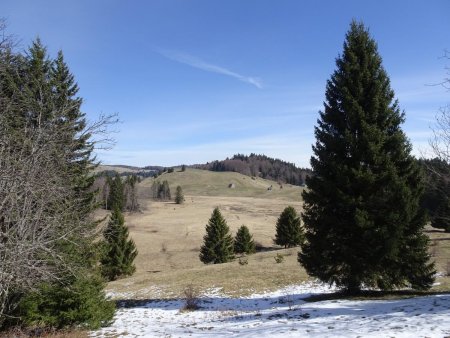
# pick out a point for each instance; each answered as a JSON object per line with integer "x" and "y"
{"x": 80, "y": 303}
{"x": 279, "y": 258}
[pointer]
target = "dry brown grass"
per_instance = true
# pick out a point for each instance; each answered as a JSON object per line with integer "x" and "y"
{"x": 440, "y": 250}
{"x": 168, "y": 237}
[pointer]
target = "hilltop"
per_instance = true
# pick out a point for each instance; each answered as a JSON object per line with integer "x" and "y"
{"x": 260, "y": 166}
{"x": 254, "y": 166}
{"x": 197, "y": 182}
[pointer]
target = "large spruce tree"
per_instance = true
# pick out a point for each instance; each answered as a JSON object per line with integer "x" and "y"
{"x": 218, "y": 243}
{"x": 361, "y": 211}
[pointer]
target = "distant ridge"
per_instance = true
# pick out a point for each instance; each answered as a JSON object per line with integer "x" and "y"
{"x": 260, "y": 166}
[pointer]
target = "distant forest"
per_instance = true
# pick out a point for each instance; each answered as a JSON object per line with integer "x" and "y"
{"x": 260, "y": 166}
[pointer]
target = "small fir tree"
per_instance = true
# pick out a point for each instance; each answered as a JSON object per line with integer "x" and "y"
{"x": 179, "y": 197}
{"x": 218, "y": 242}
{"x": 289, "y": 232}
{"x": 362, "y": 218}
{"x": 120, "y": 251}
{"x": 243, "y": 242}
{"x": 116, "y": 198}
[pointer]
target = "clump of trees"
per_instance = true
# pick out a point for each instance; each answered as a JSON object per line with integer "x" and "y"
{"x": 364, "y": 226}
{"x": 289, "y": 232}
{"x": 117, "y": 191}
{"x": 119, "y": 252}
{"x": 217, "y": 243}
{"x": 48, "y": 257}
{"x": 438, "y": 169}
{"x": 261, "y": 166}
{"x": 243, "y": 241}
{"x": 161, "y": 191}
{"x": 436, "y": 198}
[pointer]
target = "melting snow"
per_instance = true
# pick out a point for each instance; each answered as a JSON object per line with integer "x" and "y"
{"x": 284, "y": 313}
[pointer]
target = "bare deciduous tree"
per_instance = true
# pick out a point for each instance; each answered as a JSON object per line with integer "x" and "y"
{"x": 440, "y": 143}
{"x": 39, "y": 209}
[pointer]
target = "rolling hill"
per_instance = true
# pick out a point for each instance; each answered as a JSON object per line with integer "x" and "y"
{"x": 197, "y": 182}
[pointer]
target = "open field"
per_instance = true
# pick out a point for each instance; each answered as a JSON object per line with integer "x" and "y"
{"x": 168, "y": 237}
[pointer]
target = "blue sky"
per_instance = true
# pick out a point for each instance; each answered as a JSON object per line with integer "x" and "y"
{"x": 195, "y": 81}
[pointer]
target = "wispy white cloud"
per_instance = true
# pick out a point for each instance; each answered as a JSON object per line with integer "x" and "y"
{"x": 208, "y": 67}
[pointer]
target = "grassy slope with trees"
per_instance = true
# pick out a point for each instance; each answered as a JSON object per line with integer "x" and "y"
{"x": 260, "y": 166}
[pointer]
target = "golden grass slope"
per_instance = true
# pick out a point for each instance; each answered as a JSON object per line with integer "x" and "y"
{"x": 196, "y": 182}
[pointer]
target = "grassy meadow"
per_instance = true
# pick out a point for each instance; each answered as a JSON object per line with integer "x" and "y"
{"x": 168, "y": 237}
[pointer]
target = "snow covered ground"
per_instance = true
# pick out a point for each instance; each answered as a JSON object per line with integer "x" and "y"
{"x": 285, "y": 314}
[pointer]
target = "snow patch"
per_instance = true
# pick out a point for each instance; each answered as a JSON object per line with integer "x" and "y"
{"x": 285, "y": 313}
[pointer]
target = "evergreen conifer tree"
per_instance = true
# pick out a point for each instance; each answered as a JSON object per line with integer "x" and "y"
{"x": 80, "y": 302}
{"x": 120, "y": 251}
{"x": 361, "y": 212}
{"x": 44, "y": 95}
{"x": 243, "y": 242}
{"x": 218, "y": 243}
{"x": 116, "y": 198}
{"x": 179, "y": 197}
{"x": 289, "y": 232}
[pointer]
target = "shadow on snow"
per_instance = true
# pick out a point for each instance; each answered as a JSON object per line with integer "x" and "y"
{"x": 299, "y": 306}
